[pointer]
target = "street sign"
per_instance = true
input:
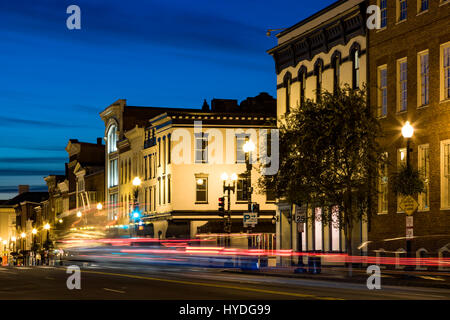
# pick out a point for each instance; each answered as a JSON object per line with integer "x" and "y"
{"x": 409, "y": 205}
{"x": 250, "y": 218}
{"x": 409, "y": 221}
{"x": 300, "y": 214}
{"x": 409, "y": 233}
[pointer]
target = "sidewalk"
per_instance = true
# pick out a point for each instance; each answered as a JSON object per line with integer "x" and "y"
{"x": 434, "y": 279}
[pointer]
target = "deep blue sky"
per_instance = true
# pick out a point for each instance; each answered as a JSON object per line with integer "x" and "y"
{"x": 174, "y": 53}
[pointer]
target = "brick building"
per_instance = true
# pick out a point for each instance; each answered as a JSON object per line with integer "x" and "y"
{"x": 409, "y": 77}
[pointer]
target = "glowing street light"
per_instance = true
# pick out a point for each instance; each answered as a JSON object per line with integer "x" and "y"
{"x": 34, "y": 231}
{"x": 60, "y": 221}
{"x": 249, "y": 146}
{"x": 13, "y": 239}
{"x": 79, "y": 214}
{"x": 224, "y": 176}
{"x": 137, "y": 182}
{"x": 46, "y": 226}
{"x": 5, "y": 242}
{"x": 407, "y": 130}
{"x": 200, "y": 181}
{"x": 99, "y": 206}
{"x": 234, "y": 177}
{"x": 23, "y": 234}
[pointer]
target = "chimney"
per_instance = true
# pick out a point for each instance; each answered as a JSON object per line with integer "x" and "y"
{"x": 24, "y": 188}
{"x": 99, "y": 141}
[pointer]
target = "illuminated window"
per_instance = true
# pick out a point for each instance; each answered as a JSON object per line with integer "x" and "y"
{"x": 201, "y": 148}
{"x": 113, "y": 173}
{"x": 424, "y": 169}
{"x": 318, "y": 230}
{"x": 445, "y": 174}
{"x": 201, "y": 189}
{"x": 401, "y": 162}
{"x": 402, "y": 84}
{"x": 424, "y": 79}
{"x": 241, "y": 138}
{"x": 383, "y": 188}
{"x": 356, "y": 68}
{"x": 445, "y": 71}
{"x": 382, "y": 91}
{"x": 112, "y": 139}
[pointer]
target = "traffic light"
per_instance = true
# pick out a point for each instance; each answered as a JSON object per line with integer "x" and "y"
{"x": 221, "y": 206}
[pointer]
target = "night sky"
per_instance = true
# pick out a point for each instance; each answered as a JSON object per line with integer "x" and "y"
{"x": 55, "y": 81}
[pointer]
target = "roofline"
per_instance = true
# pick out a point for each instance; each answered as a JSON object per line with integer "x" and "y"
{"x": 310, "y": 18}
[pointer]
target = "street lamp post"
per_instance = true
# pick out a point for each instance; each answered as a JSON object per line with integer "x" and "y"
{"x": 407, "y": 133}
{"x": 135, "y": 214}
{"x": 249, "y": 147}
{"x": 227, "y": 189}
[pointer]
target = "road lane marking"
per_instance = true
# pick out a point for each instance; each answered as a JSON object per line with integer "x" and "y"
{"x": 112, "y": 290}
{"x": 292, "y": 294}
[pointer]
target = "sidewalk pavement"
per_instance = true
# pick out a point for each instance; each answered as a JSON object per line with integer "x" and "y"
{"x": 436, "y": 279}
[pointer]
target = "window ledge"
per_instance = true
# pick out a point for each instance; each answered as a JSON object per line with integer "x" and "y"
{"x": 444, "y": 101}
{"x": 402, "y": 112}
{"x": 423, "y": 12}
{"x": 382, "y": 117}
{"x": 444, "y": 209}
{"x": 423, "y": 107}
{"x": 381, "y": 29}
{"x": 241, "y": 202}
{"x": 201, "y": 202}
{"x": 401, "y": 21}
{"x": 423, "y": 210}
{"x": 444, "y": 3}
{"x": 381, "y": 213}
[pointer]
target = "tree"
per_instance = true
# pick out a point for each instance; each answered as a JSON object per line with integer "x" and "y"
{"x": 329, "y": 157}
{"x": 407, "y": 181}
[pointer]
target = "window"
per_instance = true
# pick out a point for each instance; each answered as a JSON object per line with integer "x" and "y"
{"x": 164, "y": 154}
{"x": 169, "y": 147}
{"x": 445, "y": 73}
{"x": 164, "y": 190}
{"x": 201, "y": 148}
{"x": 287, "y": 85}
{"x": 383, "y": 188}
{"x": 113, "y": 173}
{"x": 424, "y": 79}
{"x": 112, "y": 139}
{"x": 302, "y": 79}
{"x": 318, "y": 68}
{"x": 424, "y": 169}
{"x": 355, "y": 70}
{"x": 154, "y": 198}
{"x": 336, "y": 71}
{"x": 145, "y": 199}
{"x": 168, "y": 189}
{"x": 383, "y": 8}
{"x": 318, "y": 231}
{"x": 402, "y": 84}
{"x": 241, "y": 138}
{"x": 159, "y": 152}
{"x": 201, "y": 189}
{"x": 242, "y": 188}
{"x": 113, "y": 206}
{"x": 445, "y": 173}
{"x": 159, "y": 191}
{"x": 382, "y": 91}
{"x": 145, "y": 168}
{"x": 423, "y": 5}
{"x": 401, "y": 162}
{"x": 402, "y": 7}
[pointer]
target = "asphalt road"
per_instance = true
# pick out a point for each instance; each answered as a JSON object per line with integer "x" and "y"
{"x": 108, "y": 281}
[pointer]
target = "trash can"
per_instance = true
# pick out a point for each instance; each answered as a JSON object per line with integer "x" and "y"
{"x": 314, "y": 264}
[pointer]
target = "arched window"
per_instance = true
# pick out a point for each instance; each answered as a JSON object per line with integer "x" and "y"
{"x": 302, "y": 79}
{"x": 318, "y": 69}
{"x": 112, "y": 139}
{"x": 336, "y": 63}
{"x": 287, "y": 85}
{"x": 355, "y": 53}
